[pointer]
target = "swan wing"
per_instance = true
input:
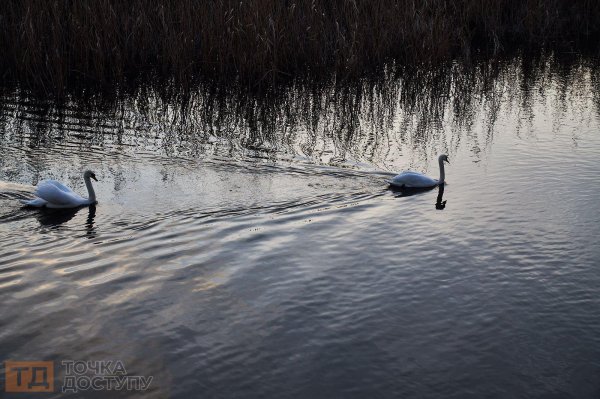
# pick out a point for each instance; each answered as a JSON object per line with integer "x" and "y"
{"x": 58, "y": 185}
{"x": 412, "y": 179}
{"x": 52, "y": 194}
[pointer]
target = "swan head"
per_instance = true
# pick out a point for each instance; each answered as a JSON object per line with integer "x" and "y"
{"x": 89, "y": 174}
{"x": 443, "y": 158}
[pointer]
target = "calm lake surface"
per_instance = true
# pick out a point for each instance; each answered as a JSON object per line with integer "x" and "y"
{"x": 249, "y": 250}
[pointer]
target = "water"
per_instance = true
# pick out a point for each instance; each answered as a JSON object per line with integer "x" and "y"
{"x": 255, "y": 251}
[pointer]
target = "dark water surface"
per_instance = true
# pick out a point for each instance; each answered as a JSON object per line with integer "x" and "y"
{"x": 244, "y": 251}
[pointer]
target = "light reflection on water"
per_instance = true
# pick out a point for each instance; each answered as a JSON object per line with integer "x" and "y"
{"x": 248, "y": 248}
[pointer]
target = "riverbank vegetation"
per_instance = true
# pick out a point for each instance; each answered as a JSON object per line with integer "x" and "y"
{"x": 49, "y": 46}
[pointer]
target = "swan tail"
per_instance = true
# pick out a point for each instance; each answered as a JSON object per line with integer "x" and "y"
{"x": 36, "y": 202}
{"x": 395, "y": 184}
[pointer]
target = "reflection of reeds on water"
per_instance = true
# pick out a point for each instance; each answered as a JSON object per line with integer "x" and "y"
{"x": 428, "y": 110}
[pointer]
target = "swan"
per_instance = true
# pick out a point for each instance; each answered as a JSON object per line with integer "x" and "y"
{"x": 419, "y": 180}
{"x": 53, "y": 194}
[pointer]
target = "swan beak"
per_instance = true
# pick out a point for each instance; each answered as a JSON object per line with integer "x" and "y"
{"x": 447, "y": 161}
{"x": 94, "y": 177}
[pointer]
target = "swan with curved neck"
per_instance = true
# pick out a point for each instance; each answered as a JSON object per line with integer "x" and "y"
{"x": 53, "y": 194}
{"x": 418, "y": 180}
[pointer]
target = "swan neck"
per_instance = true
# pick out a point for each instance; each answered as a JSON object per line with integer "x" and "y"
{"x": 90, "y": 188}
{"x": 442, "y": 174}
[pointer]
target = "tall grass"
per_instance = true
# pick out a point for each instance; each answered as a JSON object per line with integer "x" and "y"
{"x": 47, "y": 45}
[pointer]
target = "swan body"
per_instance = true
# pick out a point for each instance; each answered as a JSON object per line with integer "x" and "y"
{"x": 53, "y": 194}
{"x": 419, "y": 180}
{"x": 413, "y": 180}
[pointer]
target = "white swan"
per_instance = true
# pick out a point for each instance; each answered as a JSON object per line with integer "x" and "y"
{"x": 53, "y": 194}
{"x": 419, "y": 180}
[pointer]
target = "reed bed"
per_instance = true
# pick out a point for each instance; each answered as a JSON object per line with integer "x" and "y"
{"x": 48, "y": 46}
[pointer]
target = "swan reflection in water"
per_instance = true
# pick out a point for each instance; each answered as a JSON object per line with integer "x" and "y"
{"x": 441, "y": 202}
{"x": 53, "y": 218}
{"x": 407, "y": 192}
